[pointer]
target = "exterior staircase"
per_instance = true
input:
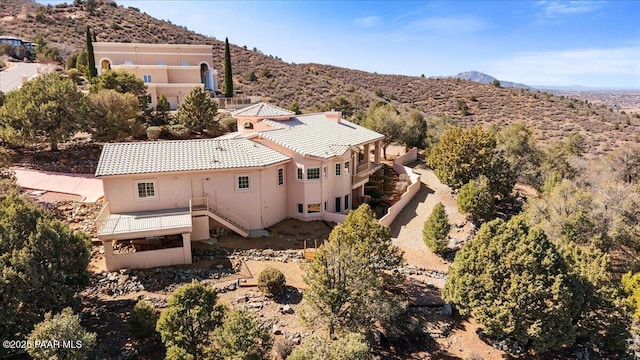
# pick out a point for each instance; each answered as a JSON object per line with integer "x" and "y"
{"x": 205, "y": 206}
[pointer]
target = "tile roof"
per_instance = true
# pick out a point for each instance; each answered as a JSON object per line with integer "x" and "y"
{"x": 262, "y": 110}
{"x": 184, "y": 155}
{"x": 315, "y": 135}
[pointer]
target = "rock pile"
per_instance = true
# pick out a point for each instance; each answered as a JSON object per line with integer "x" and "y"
{"x": 79, "y": 216}
{"x": 163, "y": 280}
{"x": 410, "y": 269}
{"x": 248, "y": 254}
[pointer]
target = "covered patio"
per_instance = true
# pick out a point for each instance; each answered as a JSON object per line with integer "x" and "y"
{"x": 150, "y": 226}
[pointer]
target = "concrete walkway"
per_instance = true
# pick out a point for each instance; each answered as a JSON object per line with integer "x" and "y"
{"x": 84, "y": 185}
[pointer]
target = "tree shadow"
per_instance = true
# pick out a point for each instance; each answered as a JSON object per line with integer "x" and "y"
{"x": 410, "y": 210}
{"x": 290, "y": 296}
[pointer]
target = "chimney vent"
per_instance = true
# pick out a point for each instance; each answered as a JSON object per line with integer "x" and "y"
{"x": 334, "y": 116}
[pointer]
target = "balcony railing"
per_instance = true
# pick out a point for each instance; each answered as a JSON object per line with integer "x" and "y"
{"x": 206, "y": 204}
{"x": 237, "y": 102}
{"x": 363, "y": 172}
{"x": 102, "y": 217}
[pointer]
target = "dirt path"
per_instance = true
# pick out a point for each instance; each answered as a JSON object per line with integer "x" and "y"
{"x": 406, "y": 230}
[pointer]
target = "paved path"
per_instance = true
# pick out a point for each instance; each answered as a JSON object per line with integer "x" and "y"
{"x": 11, "y": 78}
{"x": 84, "y": 185}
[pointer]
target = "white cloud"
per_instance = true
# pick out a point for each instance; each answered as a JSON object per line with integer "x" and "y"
{"x": 447, "y": 25}
{"x": 368, "y": 21}
{"x": 570, "y": 67}
{"x": 553, "y": 8}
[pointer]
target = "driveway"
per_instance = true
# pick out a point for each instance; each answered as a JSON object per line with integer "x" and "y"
{"x": 84, "y": 185}
{"x": 11, "y": 78}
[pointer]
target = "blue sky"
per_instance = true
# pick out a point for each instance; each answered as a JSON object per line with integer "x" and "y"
{"x": 559, "y": 43}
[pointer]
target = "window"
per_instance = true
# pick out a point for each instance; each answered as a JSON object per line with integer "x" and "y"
{"x": 347, "y": 165}
{"x": 313, "y": 208}
{"x": 299, "y": 173}
{"x": 338, "y": 203}
{"x": 280, "y": 176}
{"x": 325, "y": 206}
{"x": 243, "y": 182}
{"x": 248, "y": 125}
{"x": 325, "y": 171}
{"x": 346, "y": 202}
{"x": 313, "y": 173}
{"x": 338, "y": 169}
{"x": 146, "y": 78}
{"x": 300, "y": 209}
{"x": 146, "y": 189}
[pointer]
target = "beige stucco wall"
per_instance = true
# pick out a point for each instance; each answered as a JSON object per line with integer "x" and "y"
{"x": 148, "y": 259}
{"x": 167, "y": 64}
{"x": 260, "y": 206}
{"x": 313, "y": 191}
{"x": 153, "y": 54}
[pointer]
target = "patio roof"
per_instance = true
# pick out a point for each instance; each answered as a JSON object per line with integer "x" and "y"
{"x": 145, "y": 223}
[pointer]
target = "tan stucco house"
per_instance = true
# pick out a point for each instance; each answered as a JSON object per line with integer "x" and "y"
{"x": 172, "y": 70}
{"x": 278, "y": 165}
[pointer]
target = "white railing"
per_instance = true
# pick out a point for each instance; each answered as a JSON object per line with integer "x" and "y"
{"x": 137, "y": 223}
{"x": 102, "y": 217}
{"x": 225, "y": 102}
{"x": 204, "y": 203}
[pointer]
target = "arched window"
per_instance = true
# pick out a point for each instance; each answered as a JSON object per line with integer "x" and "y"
{"x": 248, "y": 125}
{"x": 105, "y": 65}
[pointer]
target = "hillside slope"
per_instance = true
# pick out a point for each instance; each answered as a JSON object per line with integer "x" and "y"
{"x": 311, "y": 85}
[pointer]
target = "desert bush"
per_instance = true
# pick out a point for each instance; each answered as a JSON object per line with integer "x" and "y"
{"x": 61, "y": 327}
{"x": 153, "y": 132}
{"x": 272, "y": 282}
{"x": 178, "y": 131}
{"x": 352, "y": 346}
{"x": 282, "y": 348}
{"x": 142, "y": 322}
{"x": 74, "y": 75}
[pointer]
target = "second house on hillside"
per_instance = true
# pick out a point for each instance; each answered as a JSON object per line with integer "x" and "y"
{"x": 277, "y": 166}
{"x": 172, "y": 70}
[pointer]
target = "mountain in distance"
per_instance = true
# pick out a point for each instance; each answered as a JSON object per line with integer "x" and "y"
{"x": 488, "y": 79}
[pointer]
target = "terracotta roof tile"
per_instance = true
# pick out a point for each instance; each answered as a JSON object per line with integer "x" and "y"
{"x": 184, "y": 155}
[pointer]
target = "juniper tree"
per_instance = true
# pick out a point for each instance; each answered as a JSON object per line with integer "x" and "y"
{"x": 62, "y": 327}
{"x": 476, "y": 199}
{"x": 436, "y": 229}
{"x": 192, "y": 314}
{"x": 113, "y": 115}
{"x": 512, "y": 280}
{"x": 197, "y": 112}
{"x": 350, "y": 285}
{"x": 463, "y": 155}
{"x": 49, "y": 107}
{"x": 42, "y": 265}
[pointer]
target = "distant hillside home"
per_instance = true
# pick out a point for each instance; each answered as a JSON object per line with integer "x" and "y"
{"x": 16, "y": 42}
{"x": 166, "y": 69}
{"x": 277, "y": 166}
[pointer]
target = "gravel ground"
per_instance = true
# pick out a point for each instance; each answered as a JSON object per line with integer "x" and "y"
{"x": 406, "y": 230}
